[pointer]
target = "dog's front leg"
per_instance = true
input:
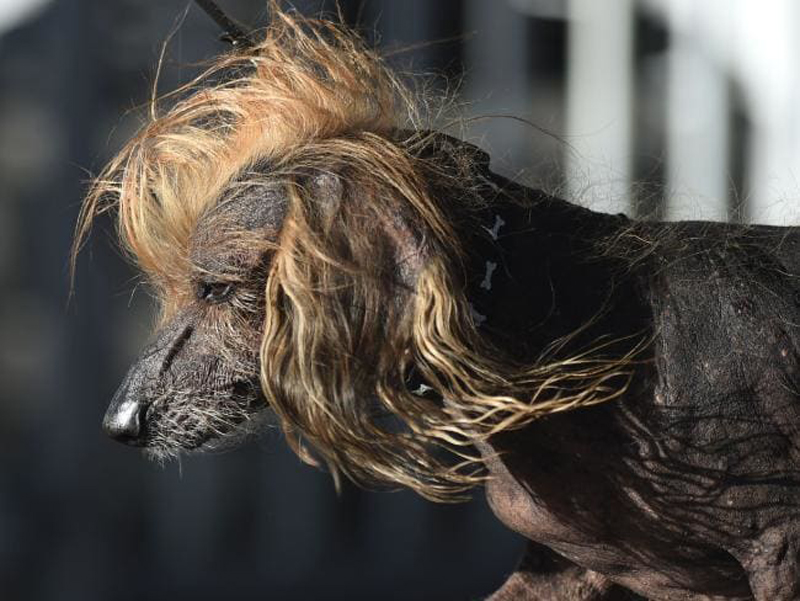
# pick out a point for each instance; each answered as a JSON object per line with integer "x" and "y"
{"x": 543, "y": 575}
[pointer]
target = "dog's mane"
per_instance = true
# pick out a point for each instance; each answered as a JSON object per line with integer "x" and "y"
{"x": 337, "y": 348}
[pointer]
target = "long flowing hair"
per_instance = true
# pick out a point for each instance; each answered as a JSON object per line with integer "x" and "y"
{"x": 345, "y": 322}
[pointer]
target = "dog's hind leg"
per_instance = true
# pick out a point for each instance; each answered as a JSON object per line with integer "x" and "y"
{"x": 543, "y": 575}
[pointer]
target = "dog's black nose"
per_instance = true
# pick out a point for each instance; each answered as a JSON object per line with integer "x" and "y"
{"x": 124, "y": 419}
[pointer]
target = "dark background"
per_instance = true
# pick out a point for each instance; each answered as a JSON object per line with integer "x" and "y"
{"x": 83, "y": 518}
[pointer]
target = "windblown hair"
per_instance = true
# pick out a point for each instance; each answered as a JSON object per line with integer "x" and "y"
{"x": 343, "y": 326}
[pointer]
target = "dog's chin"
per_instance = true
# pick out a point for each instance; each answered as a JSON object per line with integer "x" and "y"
{"x": 168, "y": 448}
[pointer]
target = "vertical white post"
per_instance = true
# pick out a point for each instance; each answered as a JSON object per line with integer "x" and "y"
{"x": 599, "y": 104}
{"x": 698, "y": 117}
{"x": 769, "y": 66}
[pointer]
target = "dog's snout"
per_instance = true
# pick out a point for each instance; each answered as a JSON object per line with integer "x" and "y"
{"x": 124, "y": 419}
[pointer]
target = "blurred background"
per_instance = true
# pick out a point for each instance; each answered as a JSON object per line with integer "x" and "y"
{"x": 669, "y": 109}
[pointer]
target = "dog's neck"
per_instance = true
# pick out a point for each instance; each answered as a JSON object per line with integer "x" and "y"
{"x": 538, "y": 271}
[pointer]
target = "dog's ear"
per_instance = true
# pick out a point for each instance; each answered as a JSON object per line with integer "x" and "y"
{"x": 337, "y": 301}
{"x": 392, "y": 227}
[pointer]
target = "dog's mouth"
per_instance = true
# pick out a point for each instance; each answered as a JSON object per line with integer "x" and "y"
{"x": 242, "y": 432}
{"x": 178, "y": 427}
{"x": 165, "y": 447}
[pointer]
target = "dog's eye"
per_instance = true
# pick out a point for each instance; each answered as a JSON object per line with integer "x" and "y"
{"x": 214, "y": 292}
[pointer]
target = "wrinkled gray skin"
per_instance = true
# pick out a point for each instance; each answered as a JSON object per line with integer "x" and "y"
{"x": 686, "y": 488}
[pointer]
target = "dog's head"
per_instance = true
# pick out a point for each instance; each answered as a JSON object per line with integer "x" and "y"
{"x": 281, "y": 209}
{"x": 287, "y": 288}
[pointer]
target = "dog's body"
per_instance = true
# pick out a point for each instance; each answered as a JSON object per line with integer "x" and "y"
{"x": 386, "y": 295}
{"x": 688, "y": 487}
